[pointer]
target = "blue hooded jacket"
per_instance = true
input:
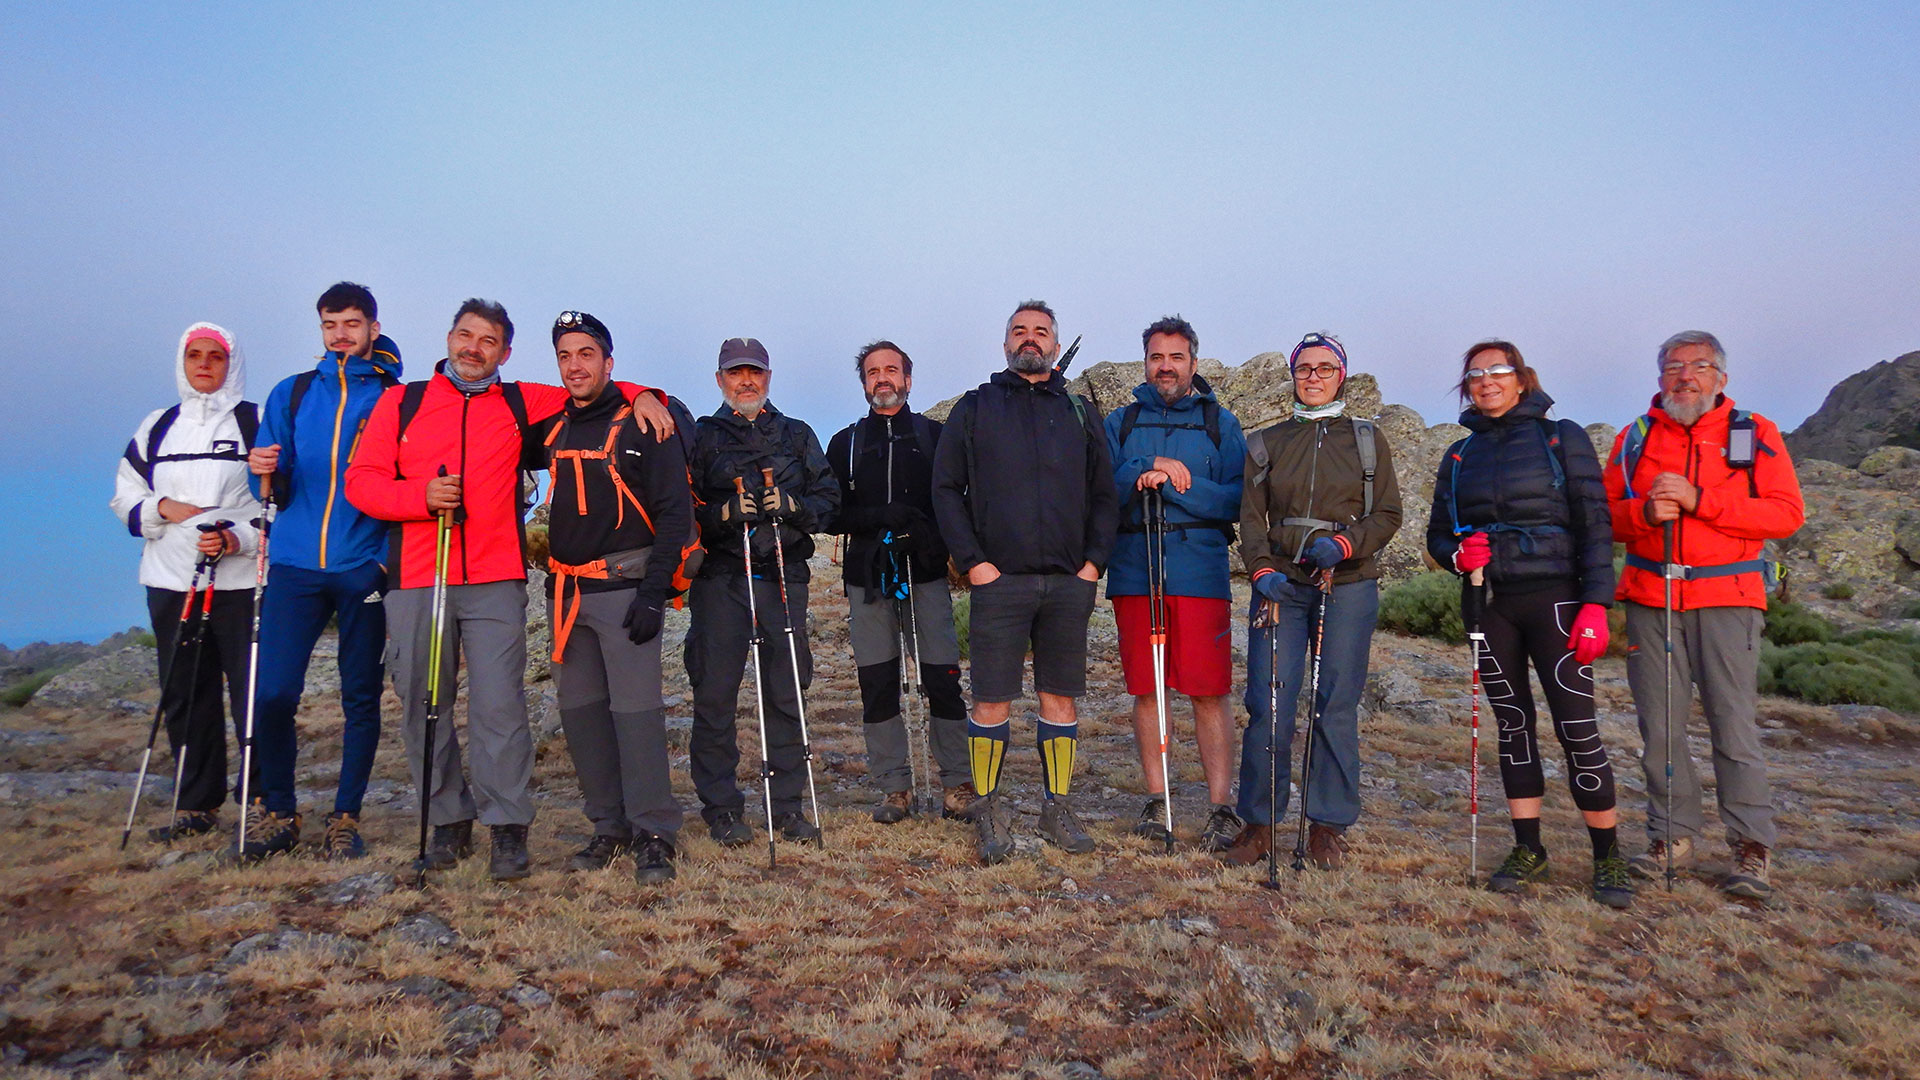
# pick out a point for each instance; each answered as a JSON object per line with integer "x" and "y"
{"x": 1197, "y": 554}
{"x": 316, "y": 528}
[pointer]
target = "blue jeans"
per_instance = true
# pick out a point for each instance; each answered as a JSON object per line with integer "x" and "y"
{"x": 293, "y": 613}
{"x": 1333, "y": 787}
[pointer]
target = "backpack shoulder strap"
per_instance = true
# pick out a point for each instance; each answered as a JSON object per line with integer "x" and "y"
{"x": 1363, "y": 440}
{"x": 853, "y": 453}
{"x": 1210, "y": 417}
{"x": 297, "y": 393}
{"x": 923, "y": 434}
{"x": 247, "y": 415}
{"x": 516, "y": 404}
{"x": 1550, "y": 437}
{"x": 1258, "y": 454}
{"x": 1631, "y": 447}
{"x": 156, "y": 435}
{"x": 410, "y": 400}
{"x": 1129, "y": 416}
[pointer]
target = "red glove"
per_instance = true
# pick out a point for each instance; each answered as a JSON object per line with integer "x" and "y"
{"x": 1475, "y": 552}
{"x": 1589, "y": 637}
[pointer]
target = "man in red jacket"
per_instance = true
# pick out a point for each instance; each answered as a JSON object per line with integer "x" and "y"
{"x": 468, "y": 424}
{"x": 1720, "y": 480}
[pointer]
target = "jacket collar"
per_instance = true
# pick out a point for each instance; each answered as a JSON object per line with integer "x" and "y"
{"x": 1146, "y": 395}
{"x": 384, "y": 361}
{"x": 1532, "y": 406}
{"x": 1054, "y": 383}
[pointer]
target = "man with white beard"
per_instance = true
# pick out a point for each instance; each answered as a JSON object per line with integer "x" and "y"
{"x": 1696, "y": 487}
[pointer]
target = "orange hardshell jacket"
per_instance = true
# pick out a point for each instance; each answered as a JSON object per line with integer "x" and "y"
{"x": 1732, "y": 521}
{"x": 477, "y": 439}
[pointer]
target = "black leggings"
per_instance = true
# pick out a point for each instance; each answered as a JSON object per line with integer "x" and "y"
{"x": 1536, "y": 624}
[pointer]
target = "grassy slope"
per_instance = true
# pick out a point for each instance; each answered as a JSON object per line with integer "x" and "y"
{"x": 890, "y": 952}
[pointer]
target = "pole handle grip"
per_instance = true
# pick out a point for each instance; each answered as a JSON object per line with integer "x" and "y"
{"x": 739, "y": 486}
{"x": 766, "y": 476}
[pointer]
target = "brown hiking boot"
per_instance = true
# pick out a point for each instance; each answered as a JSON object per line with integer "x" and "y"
{"x": 895, "y": 808}
{"x": 1749, "y": 878}
{"x": 960, "y": 802}
{"x": 343, "y": 840}
{"x": 1651, "y": 864}
{"x": 1247, "y": 848}
{"x": 1326, "y": 846}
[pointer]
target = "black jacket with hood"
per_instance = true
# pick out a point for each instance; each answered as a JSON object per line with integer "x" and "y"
{"x": 880, "y": 461}
{"x": 728, "y": 445}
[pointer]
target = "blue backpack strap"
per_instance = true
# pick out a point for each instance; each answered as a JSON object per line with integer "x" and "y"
{"x": 1453, "y": 488}
{"x": 1550, "y": 438}
{"x": 1631, "y": 448}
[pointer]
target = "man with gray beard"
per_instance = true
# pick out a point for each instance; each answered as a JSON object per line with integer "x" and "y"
{"x": 1696, "y": 487}
{"x": 745, "y": 435}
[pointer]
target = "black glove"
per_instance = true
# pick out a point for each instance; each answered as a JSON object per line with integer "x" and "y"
{"x": 643, "y": 616}
{"x": 740, "y": 508}
{"x": 777, "y": 505}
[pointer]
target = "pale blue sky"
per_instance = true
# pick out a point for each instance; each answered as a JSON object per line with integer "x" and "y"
{"x": 1584, "y": 179}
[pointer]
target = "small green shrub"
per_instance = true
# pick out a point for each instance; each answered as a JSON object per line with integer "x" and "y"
{"x": 1879, "y": 670}
{"x": 22, "y": 692}
{"x": 144, "y": 637}
{"x": 1912, "y": 612}
{"x": 1790, "y": 624}
{"x": 1426, "y": 606}
{"x": 1839, "y": 590}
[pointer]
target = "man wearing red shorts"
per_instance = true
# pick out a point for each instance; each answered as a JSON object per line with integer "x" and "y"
{"x": 1177, "y": 444}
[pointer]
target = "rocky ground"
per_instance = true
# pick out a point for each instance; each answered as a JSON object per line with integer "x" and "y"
{"x": 890, "y": 952}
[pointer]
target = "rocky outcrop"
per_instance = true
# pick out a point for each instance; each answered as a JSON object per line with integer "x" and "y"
{"x": 1867, "y": 410}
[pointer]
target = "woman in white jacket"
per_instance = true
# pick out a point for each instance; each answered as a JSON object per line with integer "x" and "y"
{"x": 187, "y": 466}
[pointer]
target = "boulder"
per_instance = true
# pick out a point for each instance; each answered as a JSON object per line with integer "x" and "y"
{"x": 125, "y": 672}
{"x": 1867, "y": 410}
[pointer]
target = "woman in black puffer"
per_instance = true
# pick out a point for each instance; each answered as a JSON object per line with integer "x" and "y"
{"x": 1521, "y": 498}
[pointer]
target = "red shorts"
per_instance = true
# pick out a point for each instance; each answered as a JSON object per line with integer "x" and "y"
{"x": 1199, "y": 645}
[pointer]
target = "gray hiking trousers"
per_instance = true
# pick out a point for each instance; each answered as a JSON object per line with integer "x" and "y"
{"x": 610, "y": 710}
{"x": 1718, "y": 650}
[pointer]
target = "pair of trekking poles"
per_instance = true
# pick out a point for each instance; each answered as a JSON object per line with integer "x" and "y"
{"x": 192, "y": 631}
{"x": 793, "y": 662}
{"x": 912, "y": 680}
{"x": 1323, "y": 582}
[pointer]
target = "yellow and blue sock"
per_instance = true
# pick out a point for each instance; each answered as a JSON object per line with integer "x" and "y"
{"x": 1057, "y": 742}
{"x": 987, "y": 747}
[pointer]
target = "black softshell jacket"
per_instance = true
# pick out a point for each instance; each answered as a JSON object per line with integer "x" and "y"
{"x": 728, "y": 445}
{"x": 879, "y": 460}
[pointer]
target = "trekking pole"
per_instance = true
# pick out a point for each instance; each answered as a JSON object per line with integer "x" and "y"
{"x": 793, "y": 659}
{"x": 1325, "y": 582}
{"x": 160, "y": 710}
{"x": 265, "y": 525}
{"x": 759, "y": 680}
{"x": 437, "y": 622}
{"x": 910, "y": 689}
{"x": 1272, "y": 610}
{"x": 199, "y": 631}
{"x": 1156, "y": 513}
{"x": 1666, "y": 580}
{"x": 1476, "y": 603}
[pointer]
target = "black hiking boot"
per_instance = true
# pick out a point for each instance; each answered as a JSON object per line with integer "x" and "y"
{"x": 599, "y": 853}
{"x": 508, "y": 860}
{"x": 451, "y": 843}
{"x": 729, "y": 829}
{"x": 1612, "y": 882}
{"x": 652, "y": 861}
{"x": 1223, "y": 825}
{"x": 994, "y": 819}
{"x": 267, "y": 834}
{"x": 895, "y": 808}
{"x": 1523, "y": 867}
{"x": 343, "y": 840}
{"x": 185, "y": 823}
{"x": 1153, "y": 820}
{"x": 1061, "y": 826}
{"x": 793, "y": 825}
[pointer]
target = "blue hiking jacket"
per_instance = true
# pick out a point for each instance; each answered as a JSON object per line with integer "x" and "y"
{"x": 316, "y": 528}
{"x": 1197, "y": 542}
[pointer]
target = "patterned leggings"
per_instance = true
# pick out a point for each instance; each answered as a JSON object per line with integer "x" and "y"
{"x": 1535, "y": 624}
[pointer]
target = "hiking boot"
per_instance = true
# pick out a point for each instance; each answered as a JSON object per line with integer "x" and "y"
{"x": 1153, "y": 821}
{"x": 729, "y": 829}
{"x": 508, "y": 860}
{"x": 451, "y": 843}
{"x": 1612, "y": 882}
{"x": 895, "y": 808}
{"x": 1652, "y": 863}
{"x": 1749, "y": 878}
{"x": 959, "y": 803}
{"x": 268, "y": 834}
{"x": 1523, "y": 867}
{"x": 599, "y": 853}
{"x": 994, "y": 818}
{"x": 1223, "y": 825}
{"x": 652, "y": 861}
{"x": 1249, "y": 846}
{"x": 1061, "y": 826}
{"x": 1326, "y": 846}
{"x": 185, "y": 823}
{"x": 793, "y": 825}
{"x": 343, "y": 840}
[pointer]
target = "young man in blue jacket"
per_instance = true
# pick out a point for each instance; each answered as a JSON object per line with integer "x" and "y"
{"x": 324, "y": 563}
{"x": 1175, "y": 443}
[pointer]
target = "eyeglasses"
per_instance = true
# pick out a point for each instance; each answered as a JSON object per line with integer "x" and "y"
{"x": 1476, "y": 374}
{"x": 1698, "y": 367}
{"x": 1312, "y": 371}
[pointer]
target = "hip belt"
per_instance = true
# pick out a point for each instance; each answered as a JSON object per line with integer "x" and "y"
{"x": 1683, "y": 572}
{"x": 621, "y": 564}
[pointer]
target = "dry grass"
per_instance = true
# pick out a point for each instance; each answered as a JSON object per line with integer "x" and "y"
{"x": 891, "y": 953}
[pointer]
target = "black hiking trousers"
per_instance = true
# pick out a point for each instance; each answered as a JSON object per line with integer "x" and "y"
{"x": 1535, "y": 624}
{"x": 227, "y": 632}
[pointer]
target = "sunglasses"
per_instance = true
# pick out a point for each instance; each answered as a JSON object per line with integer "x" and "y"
{"x": 1476, "y": 374}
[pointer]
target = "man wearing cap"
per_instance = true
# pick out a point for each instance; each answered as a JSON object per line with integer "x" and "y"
{"x": 619, "y": 511}
{"x": 744, "y": 436}
{"x": 1023, "y": 488}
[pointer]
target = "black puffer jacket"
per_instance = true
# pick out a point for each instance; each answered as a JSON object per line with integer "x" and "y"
{"x": 1499, "y": 480}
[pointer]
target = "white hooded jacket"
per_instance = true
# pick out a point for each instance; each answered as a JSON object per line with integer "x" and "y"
{"x": 201, "y": 460}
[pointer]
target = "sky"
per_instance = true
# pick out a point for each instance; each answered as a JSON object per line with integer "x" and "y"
{"x": 1581, "y": 179}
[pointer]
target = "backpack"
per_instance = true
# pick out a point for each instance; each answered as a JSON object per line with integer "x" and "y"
{"x": 1635, "y": 444}
{"x": 246, "y": 414}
